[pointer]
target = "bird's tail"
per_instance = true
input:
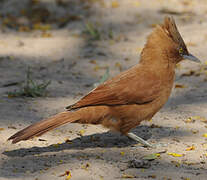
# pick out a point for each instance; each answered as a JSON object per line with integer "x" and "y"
{"x": 43, "y": 126}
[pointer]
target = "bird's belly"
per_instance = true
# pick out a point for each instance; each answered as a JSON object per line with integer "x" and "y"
{"x": 125, "y": 117}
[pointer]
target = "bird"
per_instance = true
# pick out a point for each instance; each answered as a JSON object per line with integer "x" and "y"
{"x": 124, "y": 101}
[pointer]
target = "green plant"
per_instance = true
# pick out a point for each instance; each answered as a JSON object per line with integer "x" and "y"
{"x": 30, "y": 88}
{"x": 92, "y": 31}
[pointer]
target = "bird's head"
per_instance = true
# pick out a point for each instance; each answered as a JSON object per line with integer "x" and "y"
{"x": 167, "y": 41}
{"x": 171, "y": 30}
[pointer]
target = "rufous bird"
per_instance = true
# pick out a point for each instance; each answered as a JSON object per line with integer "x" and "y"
{"x": 134, "y": 95}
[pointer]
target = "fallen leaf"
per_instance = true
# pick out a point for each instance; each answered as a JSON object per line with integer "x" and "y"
{"x": 41, "y": 27}
{"x": 114, "y": 4}
{"x": 190, "y": 148}
{"x": 122, "y": 153}
{"x": 85, "y": 166}
{"x": 142, "y": 170}
{"x": 81, "y": 132}
{"x": 101, "y": 177}
{"x": 46, "y": 35}
{"x": 67, "y": 174}
{"x": 136, "y": 3}
{"x": 179, "y": 86}
{"x": 189, "y": 120}
{"x": 205, "y": 135}
{"x": 127, "y": 176}
{"x": 175, "y": 154}
{"x": 194, "y": 131}
{"x": 177, "y": 127}
{"x": 200, "y": 118}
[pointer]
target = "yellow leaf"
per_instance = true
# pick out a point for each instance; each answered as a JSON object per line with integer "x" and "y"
{"x": 136, "y": 3}
{"x": 42, "y": 27}
{"x": 85, "y": 166}
{"x": 114, "y": 4}
{"x": 175, "y": 154}
{"x": 185, "y": 178}
{"x": 101, "y": 178}
{"x": 81, "y": 132}
{"x": 1, "y": 129}
{"x": 68, "y": 176}
{"x": 46, "y": 35}
{"x": 190, "y": 148}
{"x": 206, "y": 154}
{"x": 122, "y": 153}
{"x": 96, "y": 68}
{"x": 127, "y": 176}
{"x": 153, "y": 25}
{"x": 189, "y": 120}
{"x": 142, "y": 170}
{"x": 205, "y": 135}
{"x": 203, "y": 119}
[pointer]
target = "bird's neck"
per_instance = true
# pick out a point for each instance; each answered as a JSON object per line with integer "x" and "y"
{"x": 157, "y": 61}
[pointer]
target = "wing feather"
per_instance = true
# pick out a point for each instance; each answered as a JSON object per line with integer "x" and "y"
{"x": 130, "y": 87}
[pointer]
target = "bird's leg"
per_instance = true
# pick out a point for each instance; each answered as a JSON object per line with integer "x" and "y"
{"x": 139, "y": 139}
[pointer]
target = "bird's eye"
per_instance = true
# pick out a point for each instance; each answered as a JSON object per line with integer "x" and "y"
{"x": 181, "y": 50}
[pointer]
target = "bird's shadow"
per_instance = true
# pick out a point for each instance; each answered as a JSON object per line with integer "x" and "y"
{"x": 102, "y": 140}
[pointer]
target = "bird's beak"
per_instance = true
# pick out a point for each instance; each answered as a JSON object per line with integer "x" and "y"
{"x": 191, "y": 58}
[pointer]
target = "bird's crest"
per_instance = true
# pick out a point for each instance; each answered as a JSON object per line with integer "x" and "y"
{"x": 171, "y": 30}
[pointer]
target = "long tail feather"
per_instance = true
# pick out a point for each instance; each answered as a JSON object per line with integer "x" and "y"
{"x": 43, "y": 126}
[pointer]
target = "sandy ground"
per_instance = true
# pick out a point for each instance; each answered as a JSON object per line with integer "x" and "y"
{"x": 74, "y": 62}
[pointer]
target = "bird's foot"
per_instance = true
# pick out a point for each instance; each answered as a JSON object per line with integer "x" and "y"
{"x": 140, "y": 140}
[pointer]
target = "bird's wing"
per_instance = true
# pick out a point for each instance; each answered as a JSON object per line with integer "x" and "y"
{"x": 130, "y": 87}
